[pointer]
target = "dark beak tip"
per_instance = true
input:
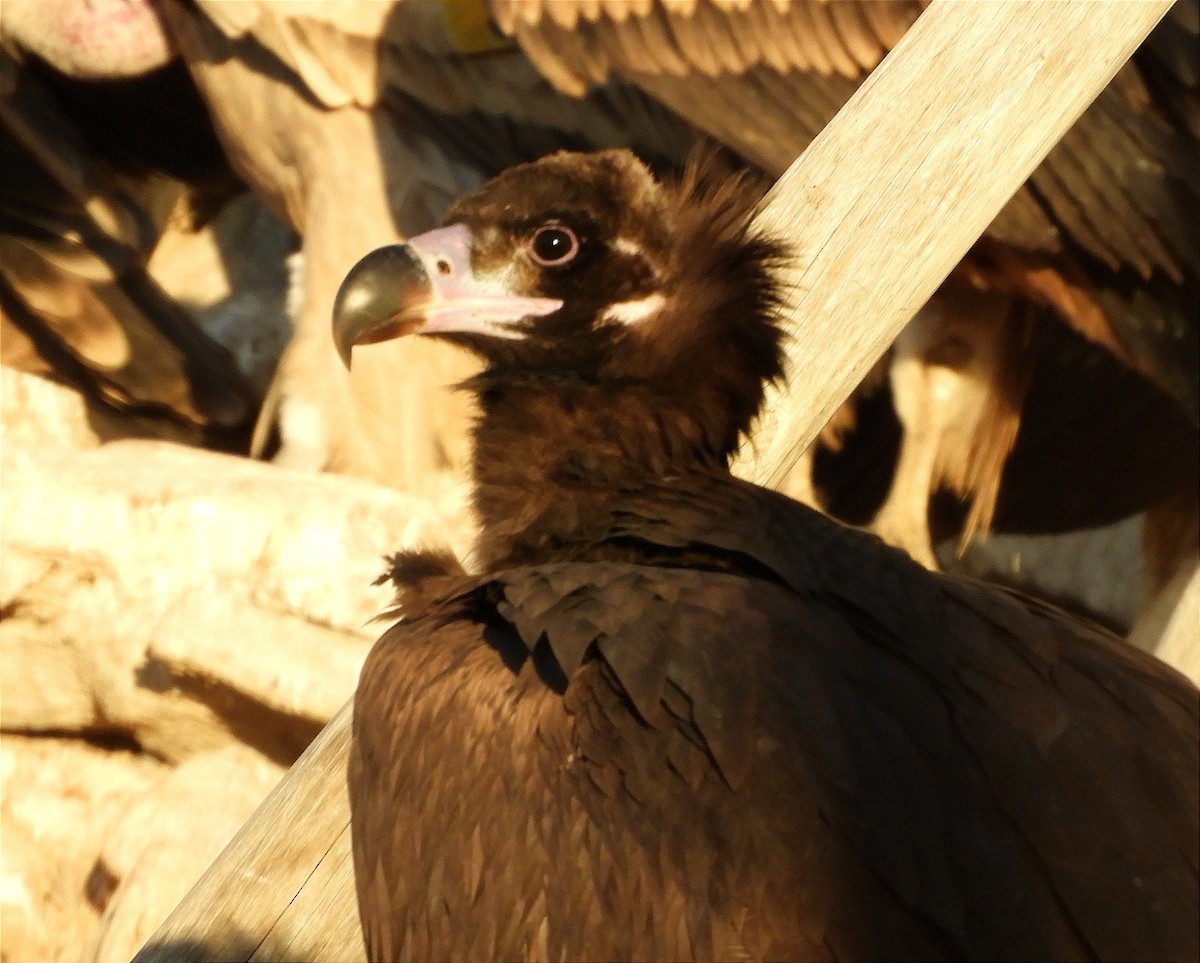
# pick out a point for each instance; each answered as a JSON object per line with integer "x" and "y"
{"x": 379, "y": 288}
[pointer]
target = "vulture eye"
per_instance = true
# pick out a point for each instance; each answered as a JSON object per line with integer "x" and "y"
{"x": 553, "y": 244}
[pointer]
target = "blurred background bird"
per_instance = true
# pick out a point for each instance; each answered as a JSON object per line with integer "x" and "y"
{"x": 1050, "y": 386}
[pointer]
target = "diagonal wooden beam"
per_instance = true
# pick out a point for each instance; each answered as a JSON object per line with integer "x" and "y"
{"x": 883, "y": 204}
{"x": 893, "y": 193}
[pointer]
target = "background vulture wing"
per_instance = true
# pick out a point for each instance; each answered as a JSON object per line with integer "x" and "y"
{"x": 331, "y": 47}
{"x": 764, "y": 78}
{"x": 580, "y": 42}
{"x": 76, "y": 299}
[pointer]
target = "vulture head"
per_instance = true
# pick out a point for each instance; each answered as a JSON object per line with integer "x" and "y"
{"x": 582, "y": 268}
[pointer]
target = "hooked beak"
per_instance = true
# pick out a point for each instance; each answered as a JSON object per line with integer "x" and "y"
{"x": 426, "y": 286}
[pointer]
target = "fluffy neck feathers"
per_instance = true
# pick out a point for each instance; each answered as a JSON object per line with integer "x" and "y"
{"x": 674, "y": 395}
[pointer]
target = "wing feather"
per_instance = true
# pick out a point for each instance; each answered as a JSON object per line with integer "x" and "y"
{"x": 968, "y": 770}
{"x": 857, "y": 37}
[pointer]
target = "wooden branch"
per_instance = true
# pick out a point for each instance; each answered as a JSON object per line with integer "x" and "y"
{"x": 892, "y": 194}
{"x": 1179, "y": 644}
{"x": 1170, "y": 626}
{"x": 884, "y": 203}
{"x": 255, "y": 901}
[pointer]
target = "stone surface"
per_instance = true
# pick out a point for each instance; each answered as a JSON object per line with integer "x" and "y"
{"x": 59, "y": 800}
{"x": 168, "y": 837}
{"x": 206, "y": 613}
{"x": 190, "y": 599}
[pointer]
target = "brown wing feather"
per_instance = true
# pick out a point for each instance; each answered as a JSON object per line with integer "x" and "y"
{"x": 1171, "y": 66}
{"x": 856, "y": 36}
{"x": 1116, "y": 190}
{"x": 919, "y": 767}
{"x": 709, "y": 36}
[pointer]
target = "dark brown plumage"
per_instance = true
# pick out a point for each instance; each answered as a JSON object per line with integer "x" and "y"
{"x": 680, "y": 716}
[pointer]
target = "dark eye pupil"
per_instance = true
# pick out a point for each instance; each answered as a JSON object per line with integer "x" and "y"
{"x": 553, "y": 244}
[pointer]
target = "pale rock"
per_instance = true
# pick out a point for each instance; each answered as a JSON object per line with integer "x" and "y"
{"x": 59, "y": 799}
{"x": 169, "y": 836}
{"x": 193, "y": 599}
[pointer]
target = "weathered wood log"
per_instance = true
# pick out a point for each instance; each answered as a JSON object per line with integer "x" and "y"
{"x": 884, "y": 203}
{"x": 1170, "y": 626}
{"x": 256, "y": 902}
{"x": 167, "y": 837}
{"x": 1179, "y": 644}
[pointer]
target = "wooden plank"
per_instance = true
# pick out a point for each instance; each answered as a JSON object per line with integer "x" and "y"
{"x": 1179, "y": 644}
{"x": 1170, "y": 625}
{"x": 321, "y": 923}
{"x": 890, "y": 196}
{"x": 884, "y": 203}
{"x": 255, "y": 901}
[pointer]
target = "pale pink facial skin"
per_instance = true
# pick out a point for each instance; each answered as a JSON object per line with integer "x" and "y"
{"x": 428, "y": 286}
{"x": 90, "y": 39}
{"x": 463, "y": 301}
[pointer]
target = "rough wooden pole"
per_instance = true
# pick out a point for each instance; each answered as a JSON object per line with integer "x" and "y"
{"x": 1170, "y": 625}
{"x": 883, "y": 203}
{"x": 892, "y": 194}
{"x": 1179, "y": 644}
